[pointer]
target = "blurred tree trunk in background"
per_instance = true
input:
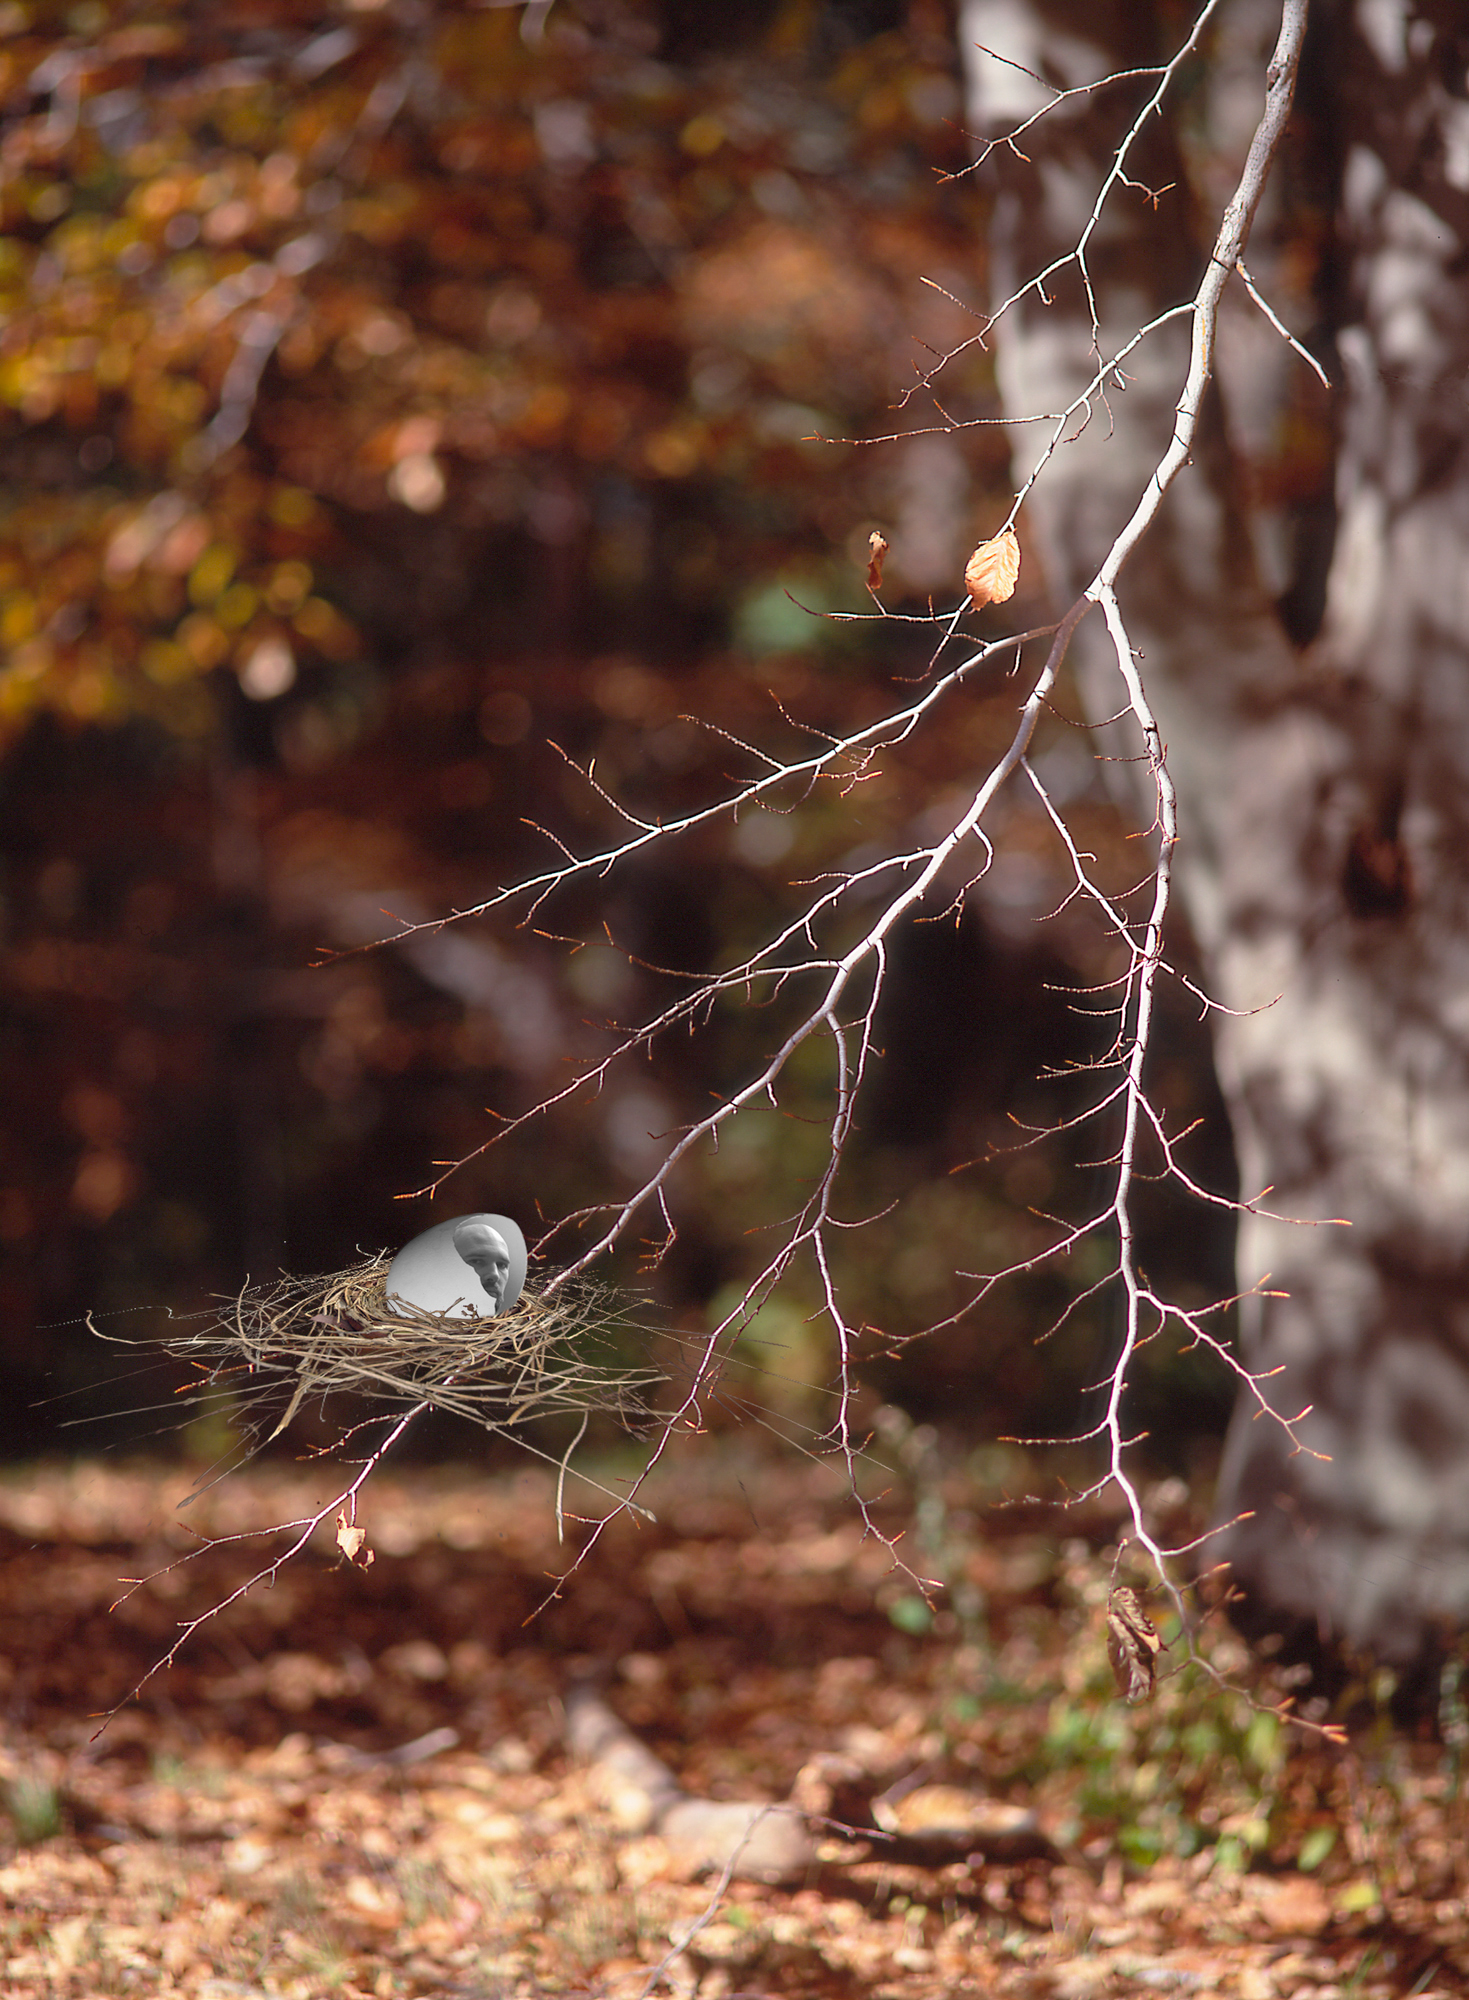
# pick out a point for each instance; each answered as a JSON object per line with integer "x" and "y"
{"x": 1303, "y": 615}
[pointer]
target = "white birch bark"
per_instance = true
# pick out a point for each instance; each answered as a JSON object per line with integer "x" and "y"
{"x": 1324, "y": 788}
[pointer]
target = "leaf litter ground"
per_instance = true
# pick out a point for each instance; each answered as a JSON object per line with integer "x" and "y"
{"x": 355, "y": 1783}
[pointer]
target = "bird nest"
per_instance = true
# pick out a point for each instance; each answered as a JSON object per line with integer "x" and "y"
{"x": 554, "y": 1353}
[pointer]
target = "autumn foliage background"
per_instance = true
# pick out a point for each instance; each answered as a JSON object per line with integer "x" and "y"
{"x": 404, "y": 406}
{"x": 401, "y": 407}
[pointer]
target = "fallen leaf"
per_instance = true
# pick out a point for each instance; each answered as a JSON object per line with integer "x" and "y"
{"x": 1295, "y": 1905}
{"x": 990, "y": 573}
{"x": 948, "y": 1818}
{"x": 877, "y": 546}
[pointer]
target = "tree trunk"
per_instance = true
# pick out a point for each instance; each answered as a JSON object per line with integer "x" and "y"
{"x": 1317, "y": 727}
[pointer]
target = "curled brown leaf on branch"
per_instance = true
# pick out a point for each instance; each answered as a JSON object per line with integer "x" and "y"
{"x": 877, "y": 546}
{"x": 1133, "y": 1645}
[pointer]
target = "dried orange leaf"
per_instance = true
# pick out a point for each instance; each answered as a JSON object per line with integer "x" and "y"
{"x": 877, "y": 547}
{"x": 990, "y": 573}
{"x": 350, "y": 1539}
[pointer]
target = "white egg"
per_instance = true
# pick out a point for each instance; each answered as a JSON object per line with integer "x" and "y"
{"x": 470, "y": 1265}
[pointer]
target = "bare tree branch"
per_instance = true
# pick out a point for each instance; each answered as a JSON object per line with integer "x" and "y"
{"x": 824, "y": 970}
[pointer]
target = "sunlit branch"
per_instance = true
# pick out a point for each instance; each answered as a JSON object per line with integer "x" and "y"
{"x": 887, "y": 731}
{"x": 1076, "y": 257}
{"x": 817, "y": 980}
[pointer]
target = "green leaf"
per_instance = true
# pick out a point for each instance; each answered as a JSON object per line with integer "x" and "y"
{"x": 911, "y": 1614}
{"x": 1358, "y": 1896}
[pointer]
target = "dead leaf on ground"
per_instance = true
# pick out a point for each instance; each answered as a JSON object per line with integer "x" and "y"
{"x": 373, "y": 1779}
{"x": 949, "y": 1818}
{"x": 1295, "y": 1905}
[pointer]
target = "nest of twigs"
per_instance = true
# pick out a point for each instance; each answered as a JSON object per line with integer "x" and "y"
{"x": 552, "y": 1354}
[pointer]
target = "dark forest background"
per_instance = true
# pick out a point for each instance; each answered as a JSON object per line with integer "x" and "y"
{"x": 397, "y": 402}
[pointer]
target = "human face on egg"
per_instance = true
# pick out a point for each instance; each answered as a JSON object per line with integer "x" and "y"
{"x": 488, "y": 1255}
